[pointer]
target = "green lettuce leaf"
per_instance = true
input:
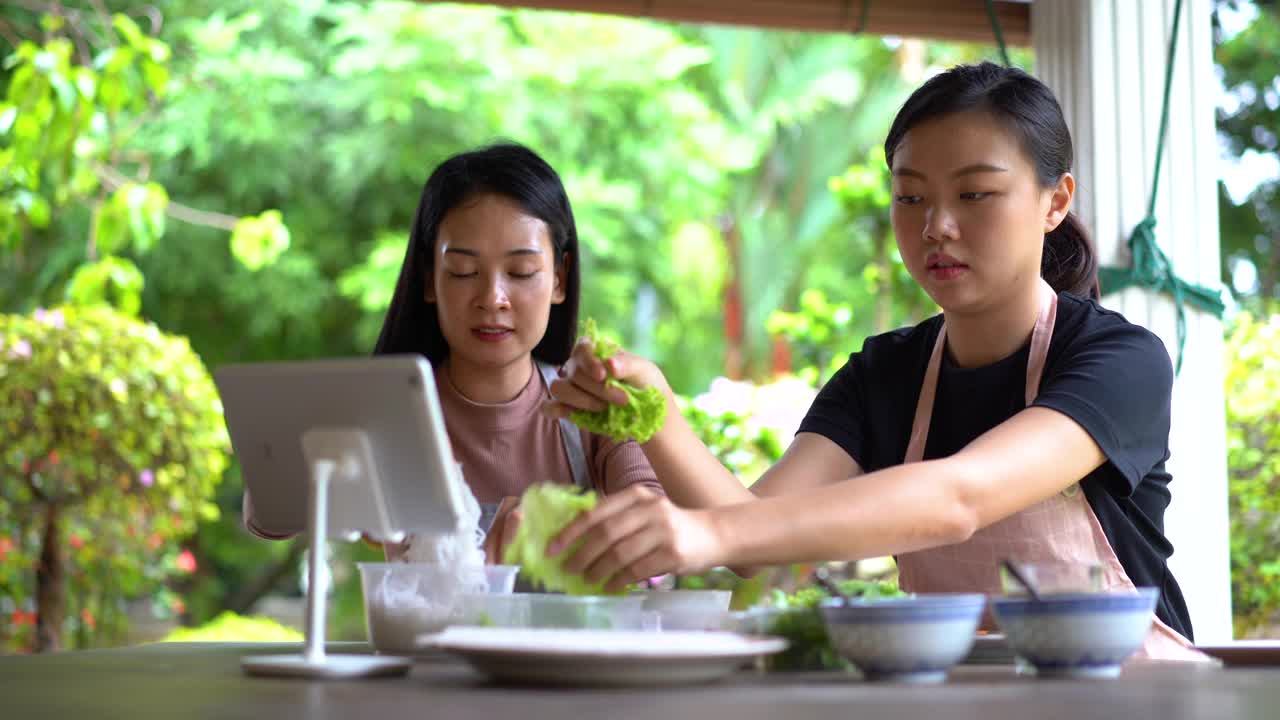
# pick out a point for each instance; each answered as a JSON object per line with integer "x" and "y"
{"x": 639, "y": 419}
{"x": 547, "y": 509}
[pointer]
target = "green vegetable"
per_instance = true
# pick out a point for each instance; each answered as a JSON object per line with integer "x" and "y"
{"x": 547, "y": 509}
{"x": 639, "y": 418}
{"x": 808, "y": 647}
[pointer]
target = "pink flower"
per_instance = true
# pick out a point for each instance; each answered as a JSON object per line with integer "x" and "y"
{"x": 186, "y": 562}
{"x": 146, "y": 478}
{"x": 20, "y": 349}
{"x": 56, "y": 319}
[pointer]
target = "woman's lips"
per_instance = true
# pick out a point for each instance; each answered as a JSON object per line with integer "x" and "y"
{"x": 942, "y": 266}
{"x": 491, "y": 334}
{"x": 947, "y": 272}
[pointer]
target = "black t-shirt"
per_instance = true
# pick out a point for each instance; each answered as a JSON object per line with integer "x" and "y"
{"x": 1112, "y": 377}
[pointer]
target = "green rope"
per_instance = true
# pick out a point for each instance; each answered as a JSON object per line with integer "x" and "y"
{"x": 1151, "y": 268}
{"x": 995, "y": 28}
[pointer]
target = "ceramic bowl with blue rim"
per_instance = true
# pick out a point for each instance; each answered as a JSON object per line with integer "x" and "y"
{"x": 1077, "y": 634}
{"x": 907, "y": 639}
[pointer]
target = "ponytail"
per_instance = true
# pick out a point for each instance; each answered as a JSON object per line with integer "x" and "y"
{"x": 1069, "y": 263}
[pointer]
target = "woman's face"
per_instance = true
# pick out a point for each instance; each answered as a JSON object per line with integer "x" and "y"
{"x": 968, "y": 211}
{"x": 494, "y": 281}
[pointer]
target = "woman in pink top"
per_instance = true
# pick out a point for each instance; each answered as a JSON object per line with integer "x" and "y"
{"x": 1024, "y": 422}
{"x": 489, "y": 292}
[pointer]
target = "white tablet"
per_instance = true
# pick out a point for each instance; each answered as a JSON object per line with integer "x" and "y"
{"x": 384, "y": 409}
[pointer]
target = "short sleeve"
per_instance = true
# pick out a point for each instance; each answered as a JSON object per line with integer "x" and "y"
{"x": 838, "y": 413}
{"x": 616, "y": 466}
{"x": 1116, "y": 382}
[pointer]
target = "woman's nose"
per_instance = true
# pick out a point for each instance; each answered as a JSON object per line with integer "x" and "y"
{"x": 494, "y": 294}
{"x": 939, "y": 224}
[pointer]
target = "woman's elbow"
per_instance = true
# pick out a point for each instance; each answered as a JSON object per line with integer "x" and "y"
{"x": 957, "y": 525}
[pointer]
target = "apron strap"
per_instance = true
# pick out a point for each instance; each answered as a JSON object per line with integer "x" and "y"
{"x": 570, "y": 437}
{"x": 1040, "y": 339}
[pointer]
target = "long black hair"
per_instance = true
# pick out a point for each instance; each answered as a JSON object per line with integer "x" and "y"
{"x": 1029, "y": 110}
{"x": 506, "y": 169}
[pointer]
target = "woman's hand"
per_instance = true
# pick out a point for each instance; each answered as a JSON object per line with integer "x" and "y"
{"x": 582, "y": 380}
{"x": 638, "y": 534}
{"x": 502, "y": 531}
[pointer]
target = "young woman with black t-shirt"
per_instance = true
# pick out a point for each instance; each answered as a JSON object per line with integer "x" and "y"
{"x": 1026, "y": 421}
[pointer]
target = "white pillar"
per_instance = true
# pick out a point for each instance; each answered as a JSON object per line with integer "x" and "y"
{"x": 1106, "y": 59}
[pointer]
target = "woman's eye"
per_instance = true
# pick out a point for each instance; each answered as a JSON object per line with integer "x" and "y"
{"x": 455, "y": 274}
{"x": 974, "y": 195}
{"x": 906, "y": 199}
{"x": 523, "y": 275}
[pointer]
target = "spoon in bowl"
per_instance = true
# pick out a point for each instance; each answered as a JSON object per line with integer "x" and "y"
{"x": 1021, "y": 578}
{"x": 823, "y": 578}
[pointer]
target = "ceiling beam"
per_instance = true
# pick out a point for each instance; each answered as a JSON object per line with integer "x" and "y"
{"x": 964, "y": 20}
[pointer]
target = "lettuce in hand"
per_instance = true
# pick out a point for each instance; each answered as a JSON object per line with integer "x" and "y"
{"x": 547, "y": 509}
{"x": 639, "y": 419}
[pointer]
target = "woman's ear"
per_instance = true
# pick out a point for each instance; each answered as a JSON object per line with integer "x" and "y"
{"x": 1059, "y": 202}
{"x": 562, "y": 280}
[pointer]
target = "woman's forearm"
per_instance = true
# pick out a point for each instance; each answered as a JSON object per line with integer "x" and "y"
{"x": 900, "y": 509}
{"x": 691, "y": 476}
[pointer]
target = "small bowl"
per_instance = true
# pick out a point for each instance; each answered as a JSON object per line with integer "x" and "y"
{"x": 912, "y": 639}
{"x": 1077, "y": 634}
{"x": 689, "y": 609}
{"x": 405, "y": 600}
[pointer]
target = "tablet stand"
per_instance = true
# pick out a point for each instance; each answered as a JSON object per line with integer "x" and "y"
{"x": 341, "y": 456}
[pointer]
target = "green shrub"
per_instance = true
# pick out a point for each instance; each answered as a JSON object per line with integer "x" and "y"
{"x": 114, "y": 443}
{"x": 1253, "y": 460}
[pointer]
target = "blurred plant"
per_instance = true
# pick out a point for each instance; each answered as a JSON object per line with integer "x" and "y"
{"x": 819, "y": 333}
{"x": 114, "y": 444}
{"x": 731, "y": 419}
{"x": 865, "y": 272}
{"x": 1246, "y": 45}
{"x": 1253, "y": 461}
{"x": 73, "y": 104}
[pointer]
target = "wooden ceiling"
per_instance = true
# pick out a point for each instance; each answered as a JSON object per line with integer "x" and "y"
{"x": 965, "y": 20}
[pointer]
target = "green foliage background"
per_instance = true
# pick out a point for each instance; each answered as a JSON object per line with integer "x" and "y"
{"x": 245, "y": 178}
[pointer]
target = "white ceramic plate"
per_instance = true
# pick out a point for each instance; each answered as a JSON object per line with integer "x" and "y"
{"x": 603, "y": 657}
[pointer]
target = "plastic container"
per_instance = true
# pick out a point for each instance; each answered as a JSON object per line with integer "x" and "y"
{"x": 570, "y": 612}
{"x": 405, "y": 600}
{"x": 689, "y": 609}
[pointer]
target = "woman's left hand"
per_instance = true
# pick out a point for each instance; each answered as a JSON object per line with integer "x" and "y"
{"x": 638, "y": 534}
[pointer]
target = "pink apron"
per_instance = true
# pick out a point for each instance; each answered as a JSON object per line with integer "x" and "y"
{"x": 1062, "y": 529}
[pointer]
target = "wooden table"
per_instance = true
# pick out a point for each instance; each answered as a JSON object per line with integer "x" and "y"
{"x": 202, "y": 680}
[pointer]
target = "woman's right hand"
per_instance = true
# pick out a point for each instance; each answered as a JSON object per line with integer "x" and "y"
{"x": 582, "y": 380}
